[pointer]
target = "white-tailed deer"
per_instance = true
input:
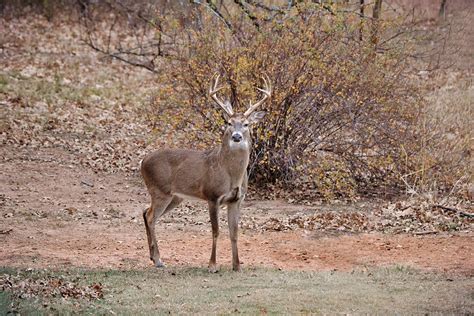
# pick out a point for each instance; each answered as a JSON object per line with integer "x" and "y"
{"x": 218, "y": 176}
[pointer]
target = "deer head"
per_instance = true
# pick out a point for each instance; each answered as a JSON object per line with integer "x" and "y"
{"x": 237, "y": 132}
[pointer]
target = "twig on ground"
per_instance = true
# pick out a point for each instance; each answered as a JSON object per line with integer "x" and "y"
{"x": 451, "y": 209}
{"x": 87, "y": 183}
{"x": 429, "y": 232}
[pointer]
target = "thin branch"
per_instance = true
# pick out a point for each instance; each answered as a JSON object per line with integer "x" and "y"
{"x": 213, "y": 8}
{"x": 148, "y": 65}
{"x": 260, "y": 5}
{"x": 451, "y": 209}
{"x": 248, "y": 13}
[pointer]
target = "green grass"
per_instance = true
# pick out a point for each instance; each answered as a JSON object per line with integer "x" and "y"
{"x": 192, "y": 290}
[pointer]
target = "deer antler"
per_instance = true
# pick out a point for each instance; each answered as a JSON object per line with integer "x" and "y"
{"x": 213, "y": 93}
{"x": 267, "y": 91}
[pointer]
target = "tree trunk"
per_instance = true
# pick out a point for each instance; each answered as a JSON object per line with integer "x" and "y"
{"x": 375, "y": 22}
{"x": 442, "y": 10}
{"x": 361, "y": 27}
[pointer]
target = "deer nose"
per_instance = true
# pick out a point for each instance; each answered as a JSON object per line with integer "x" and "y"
{"x": 236, "y": 137}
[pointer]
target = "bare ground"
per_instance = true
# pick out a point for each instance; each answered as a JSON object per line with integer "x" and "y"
{"x": 55, "y": 213}
{"x": 69, "y": 119}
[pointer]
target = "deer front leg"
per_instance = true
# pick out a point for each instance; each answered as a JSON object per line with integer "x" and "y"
{"x": 214, "y": 215}
{"x": 233, "y": 215}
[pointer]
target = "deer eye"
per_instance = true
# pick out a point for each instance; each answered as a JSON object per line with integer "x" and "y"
{"x": 246, "y": 124}
{"x": 229, "y": 124}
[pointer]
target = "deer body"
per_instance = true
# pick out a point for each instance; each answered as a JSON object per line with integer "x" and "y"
{"x": 196, "y": 174}
{"x": 218, "y": 176}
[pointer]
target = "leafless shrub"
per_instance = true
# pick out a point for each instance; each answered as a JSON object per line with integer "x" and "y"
{"x": 339, "y": 111}
{"x": 344, "y": 116}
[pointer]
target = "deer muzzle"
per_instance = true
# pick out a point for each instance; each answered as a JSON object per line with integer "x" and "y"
{"x": 237, "y": 137}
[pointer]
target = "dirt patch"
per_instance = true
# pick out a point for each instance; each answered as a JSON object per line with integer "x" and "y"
{"x": 56, "y": 213}
{"x": 100, "y": 245}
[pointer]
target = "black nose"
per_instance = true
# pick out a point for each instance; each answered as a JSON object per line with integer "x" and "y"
{"x": 236, "y": 138}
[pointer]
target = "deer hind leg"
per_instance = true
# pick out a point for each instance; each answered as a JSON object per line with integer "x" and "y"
{"x": 174, "y": 202}
{"x": 233, "y": 216}
{"x": 214, "y": 215}
{"x": 158, "y": 206}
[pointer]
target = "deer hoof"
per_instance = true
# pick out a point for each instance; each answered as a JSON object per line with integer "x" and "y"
{"x": 159, "y": 264}
{"x": 213, "y": 269}
{"x": 237, "y": 268}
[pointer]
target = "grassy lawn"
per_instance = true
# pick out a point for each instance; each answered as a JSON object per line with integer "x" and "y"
{"x": 255, "y": 291}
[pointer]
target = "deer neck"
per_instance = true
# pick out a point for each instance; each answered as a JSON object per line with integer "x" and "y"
{"x": 234, "y": 159}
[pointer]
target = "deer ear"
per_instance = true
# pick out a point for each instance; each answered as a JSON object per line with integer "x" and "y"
{"x": 255, "y": 117}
